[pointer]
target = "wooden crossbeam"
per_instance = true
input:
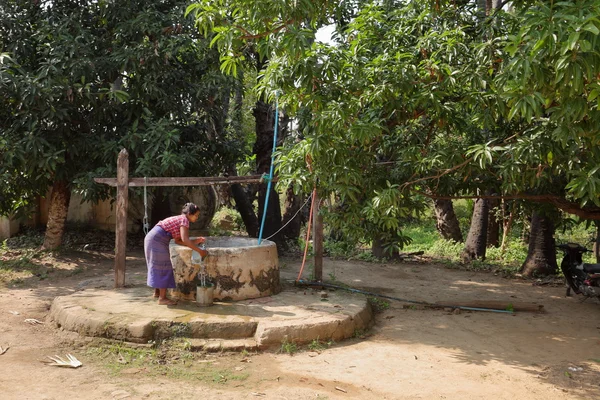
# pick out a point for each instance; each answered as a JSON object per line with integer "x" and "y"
{"x": 184, "y": 181}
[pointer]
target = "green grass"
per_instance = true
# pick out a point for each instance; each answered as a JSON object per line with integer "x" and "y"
{"x": 320, "y": 345}
{"x": 17, "y": 265}
{"x": 378, "y": 304}
{"x": 288, "y": 347}
{"x": 172, "y": 359}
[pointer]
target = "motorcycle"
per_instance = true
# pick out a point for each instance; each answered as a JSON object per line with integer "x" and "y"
{"x": 581, "y": 277}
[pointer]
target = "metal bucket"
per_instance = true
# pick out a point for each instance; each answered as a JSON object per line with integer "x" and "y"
{"x": 204, "y": 295}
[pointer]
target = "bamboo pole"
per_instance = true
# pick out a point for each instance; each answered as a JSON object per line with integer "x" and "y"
{"x": 318, "y": 238}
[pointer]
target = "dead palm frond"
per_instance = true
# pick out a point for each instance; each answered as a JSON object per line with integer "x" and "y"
{"x": 58, "y": 361}
{"x": 2, "y": 351}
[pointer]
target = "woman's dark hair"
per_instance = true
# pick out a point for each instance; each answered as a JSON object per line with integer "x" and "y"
{"x": 190, "y": 209}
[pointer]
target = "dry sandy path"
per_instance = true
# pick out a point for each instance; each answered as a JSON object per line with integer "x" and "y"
{"x": 408, "y": 354}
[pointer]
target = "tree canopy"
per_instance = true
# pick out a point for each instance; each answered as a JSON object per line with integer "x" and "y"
{"x": 79, "y": 80}
{"x": 429, "y": 97}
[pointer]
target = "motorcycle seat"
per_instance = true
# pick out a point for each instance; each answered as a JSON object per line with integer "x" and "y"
{"x": 591, "y": 268}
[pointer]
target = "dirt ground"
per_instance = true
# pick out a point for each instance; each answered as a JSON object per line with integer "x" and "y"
{"x": 409, "y": 353}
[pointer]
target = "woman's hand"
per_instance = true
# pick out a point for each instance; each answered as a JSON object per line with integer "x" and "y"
{"x": 200, "y": 240}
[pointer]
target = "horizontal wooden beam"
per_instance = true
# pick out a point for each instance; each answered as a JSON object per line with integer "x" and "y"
{"x": 185, "y": 181}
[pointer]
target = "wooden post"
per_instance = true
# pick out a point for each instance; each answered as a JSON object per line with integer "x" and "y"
{"x": 121, "y": 214}
{"x": 318, "y": 239}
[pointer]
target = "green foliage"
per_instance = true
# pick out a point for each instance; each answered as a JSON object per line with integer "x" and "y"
{"x": 378, "y": 304}
{"x": 80, "y": 81}
{"x": 288, "y": 347}
{"x": 429, "y": 96}
{"x": 172, "y": 359}
{"x": 227, "y": 217}
{"x": 319, "y": 345}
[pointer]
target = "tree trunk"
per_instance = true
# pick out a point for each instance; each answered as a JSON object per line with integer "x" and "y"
{"x": 446, "y": 221}
{"x": 293, "y": 203}
{"x": 263, "y": 148}
{"x": 597, "y": 242}
{"x": 506, "y": 226}
{"x": 477, "y": 238}
{"x": 57, "y": 215}
{"x": 493, "y": 231}
{"x": 526, "y": 230}
{"x": 377, "y": 248}
{"x": 244, "y": 207}
{"x": 541, "y": 256}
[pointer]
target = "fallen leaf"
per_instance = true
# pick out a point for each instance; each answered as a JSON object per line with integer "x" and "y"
{"x": 340, "y": 389}
{"x": 245, "y": 360}
{"x": 258, "y": 394}
{"x": 239, "y": 368}
{"x": 58, "y": 361}
{"x": 2, "y": 351}
{"x": 122, "y": 360}
{"x": 33, "y": 321}
{"x": 14, "y": 312}
{"x": 120, "y": 394}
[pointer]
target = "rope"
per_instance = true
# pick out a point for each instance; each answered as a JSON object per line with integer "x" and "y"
{"x": 291, "y": 219}
{"x": 270, "y": 179}
{"x": 146, "y": 225}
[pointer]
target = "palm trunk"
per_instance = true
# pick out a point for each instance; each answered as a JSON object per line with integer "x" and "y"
{"x": 541, "y": 256}
{"x": 57, "y": 215}
{"x": 506, "y": 226}
{"x": 493, "y": 231}
{"x": 293, "y": 203}
{"x": 446, "y": 221}
{"x": 597, "y": 242}
{"x": 477, "y": 238}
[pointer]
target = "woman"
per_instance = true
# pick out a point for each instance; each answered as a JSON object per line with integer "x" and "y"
{"x": 156, "y": 247}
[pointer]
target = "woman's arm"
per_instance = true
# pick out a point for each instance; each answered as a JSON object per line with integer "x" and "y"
{"x": 186, "y": 241}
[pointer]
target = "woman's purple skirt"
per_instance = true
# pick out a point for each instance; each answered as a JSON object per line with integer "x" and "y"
{"x": 158, "y": 259}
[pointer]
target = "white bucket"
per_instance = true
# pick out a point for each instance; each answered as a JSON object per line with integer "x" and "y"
{"x": 204, "y": 295}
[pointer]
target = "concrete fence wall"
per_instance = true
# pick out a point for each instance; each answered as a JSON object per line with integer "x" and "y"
{"x": 97, "y": 215}
{"x": 101, "y": 215}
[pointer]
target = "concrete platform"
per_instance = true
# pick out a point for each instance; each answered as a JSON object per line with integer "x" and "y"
{"x": 295, "y": 315}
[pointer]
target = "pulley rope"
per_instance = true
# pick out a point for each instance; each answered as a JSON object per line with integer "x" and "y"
{"x": 291, "y": 219}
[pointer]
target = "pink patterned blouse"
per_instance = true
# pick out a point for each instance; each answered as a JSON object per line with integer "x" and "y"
{"x": 172, "y": 225}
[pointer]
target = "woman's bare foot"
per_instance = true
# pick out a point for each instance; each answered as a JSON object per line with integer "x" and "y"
{"x": 166, "y": 302}
{"x": 156, "y": 293}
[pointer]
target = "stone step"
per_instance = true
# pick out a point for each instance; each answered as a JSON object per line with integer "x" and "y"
{"x": 214, "y": 345}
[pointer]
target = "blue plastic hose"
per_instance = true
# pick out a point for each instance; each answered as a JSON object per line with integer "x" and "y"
{"x": 270, "y": 178}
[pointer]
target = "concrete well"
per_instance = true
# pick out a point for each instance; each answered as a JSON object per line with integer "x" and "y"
{"x": 239, "y": 267}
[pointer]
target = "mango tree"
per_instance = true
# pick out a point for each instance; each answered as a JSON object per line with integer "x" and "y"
{"x": 79, "y": 80}
{"x": 427, "y": 99}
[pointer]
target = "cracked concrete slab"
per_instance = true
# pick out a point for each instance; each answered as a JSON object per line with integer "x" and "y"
{"x": 295, "y": 315}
